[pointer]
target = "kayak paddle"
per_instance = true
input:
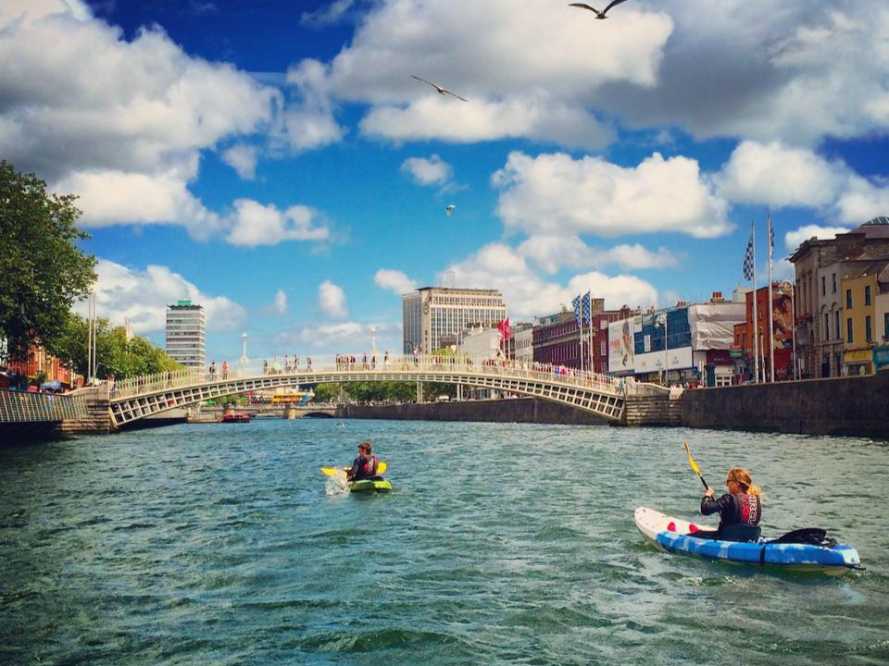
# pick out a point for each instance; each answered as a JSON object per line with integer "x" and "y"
{"x": 382, "y": 466}
{"x": 694, "y": 465}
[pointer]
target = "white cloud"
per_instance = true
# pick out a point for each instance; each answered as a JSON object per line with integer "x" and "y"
{"x": 254, "y": 224}
{"x": 556, "y": 194}
{"x": 332, "y": 300}
{"x": 778, "y": 175}
{"x": 793, "y": 239}
{"x": 430, "y": 170}
{"x": 498, "y": 266}
{"x": 280, "y": 303}
{"x": 528, "y": 73}
{"x": 142, "y": 296}
{"x": 395, "y": 281}
{"x": 345, "y": 337}
{"x": 242, "y": 158}
{"x": 120, "y": 123}
{"x": 308, "y": 122}
{"x": 326, "y": 14}
{"x": 552, "y": 253}
{"x": 863, "y": 201}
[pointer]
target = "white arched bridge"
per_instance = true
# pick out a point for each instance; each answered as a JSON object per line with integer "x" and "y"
{"x": 136, "y": 398}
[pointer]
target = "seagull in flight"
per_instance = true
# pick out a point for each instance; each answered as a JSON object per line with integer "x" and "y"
{"x": 599, "y": 15}
{"x": 445, "y": 91}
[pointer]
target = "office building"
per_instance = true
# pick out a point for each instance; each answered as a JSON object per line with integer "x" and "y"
{"x": 434, "y": 317}
{"x": 186, "y": 334}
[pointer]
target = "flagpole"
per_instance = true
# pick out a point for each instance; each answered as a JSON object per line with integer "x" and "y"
{"x": 771, "y": 305}
{"x": 755, "y": 317}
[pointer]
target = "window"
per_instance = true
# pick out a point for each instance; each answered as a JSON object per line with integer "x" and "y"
{"x": 868, "y": 335}
{"x": 823, "y": 286}
{"x": 826, "y": 326}
{"x": 867, "y": 295}
{"x": 834, "y": 281}
{"x": 849, "y": 331}
{"x": 836, "y": 324}
{"x": 849, "y": 299}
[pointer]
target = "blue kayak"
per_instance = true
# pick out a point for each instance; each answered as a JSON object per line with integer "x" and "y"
{"x": 677, "y": 536}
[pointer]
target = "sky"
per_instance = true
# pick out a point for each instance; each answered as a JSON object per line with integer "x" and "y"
{"x": 277, "y": 162}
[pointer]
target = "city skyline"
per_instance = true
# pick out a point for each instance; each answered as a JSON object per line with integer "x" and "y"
{"x": 279, "y": 166}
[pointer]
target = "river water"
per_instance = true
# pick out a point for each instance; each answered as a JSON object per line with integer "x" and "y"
{"x": 502, "y": 543}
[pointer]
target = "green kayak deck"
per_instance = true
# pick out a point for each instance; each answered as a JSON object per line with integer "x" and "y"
{"x": 370, "y": 485}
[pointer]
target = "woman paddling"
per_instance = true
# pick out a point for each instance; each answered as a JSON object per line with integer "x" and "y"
{"x": 365, "y": 465}
{"x": 740, "y": 509}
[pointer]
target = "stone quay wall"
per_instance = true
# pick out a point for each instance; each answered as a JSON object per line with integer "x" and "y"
{"x": 856, "y": 406}
{"x": 517, "y": 410}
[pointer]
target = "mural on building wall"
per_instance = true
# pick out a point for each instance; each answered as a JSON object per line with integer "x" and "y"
{"x": 782, "y": 324}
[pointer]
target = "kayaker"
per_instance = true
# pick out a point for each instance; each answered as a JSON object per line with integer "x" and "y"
{"x": 365, "y": 465}
{"x": 740, "y": 509}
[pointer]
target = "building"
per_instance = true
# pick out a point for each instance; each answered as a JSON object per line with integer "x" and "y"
{"x": 37, "y": 364}
{"x": 819, "y": 265}
{"x": 782, "y": 333}
{"x": 556, "y": 340}
{"x": 881, "y": 317}
{"x": 433, "y": 316}
{"x": 481, "y": 344}
{"x": 598, "y": 348}
{"x": 523, "y": 343}
{"x": 186, "y": 334}
{"x": 863, "y": 326}
{"x": 693, "y": 343}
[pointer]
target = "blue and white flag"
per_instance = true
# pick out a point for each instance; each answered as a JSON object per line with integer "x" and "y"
{"x": 771, "y": 238}
{"x": 587, "y": 308}
{"x": 748, "y": 259}
{"x": 576, "y": 304}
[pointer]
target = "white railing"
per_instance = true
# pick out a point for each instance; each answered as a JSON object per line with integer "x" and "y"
{"x": 408, "y": 365}
{"x": 16, "y": 407}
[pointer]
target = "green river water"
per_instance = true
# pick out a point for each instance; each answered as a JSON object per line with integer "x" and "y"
{"x": 502, "y": 543}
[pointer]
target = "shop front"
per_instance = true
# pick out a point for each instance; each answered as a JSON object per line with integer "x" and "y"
{"x": 859, "y": 362}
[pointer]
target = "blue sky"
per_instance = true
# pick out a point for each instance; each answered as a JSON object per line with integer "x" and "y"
{"x": 276, "y": 161}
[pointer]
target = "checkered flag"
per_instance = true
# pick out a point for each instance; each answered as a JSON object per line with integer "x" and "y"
{"x": 587, "y": 308}
{"x": 771, "y": 237}
{"x": 748, "y": 259}
{"x": 576, "y": 304}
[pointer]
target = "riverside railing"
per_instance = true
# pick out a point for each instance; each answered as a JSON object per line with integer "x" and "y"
{"x": 16, "y": 407}
{"x": 408, "y": 365}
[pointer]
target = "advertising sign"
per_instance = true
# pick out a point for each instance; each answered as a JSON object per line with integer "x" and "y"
{"x": 620, "y": 347}
{"x": 654, "y": 362}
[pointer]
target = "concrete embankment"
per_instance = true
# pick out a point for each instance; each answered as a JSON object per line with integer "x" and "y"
{"x": 518, "y": 410}
{"x": 842, "y": 406}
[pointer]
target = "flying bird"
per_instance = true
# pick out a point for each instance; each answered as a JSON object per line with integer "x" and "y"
{"x": 450, "y": 209}
{"x": 441, "y": 91}
{"x": 599, "y": 15}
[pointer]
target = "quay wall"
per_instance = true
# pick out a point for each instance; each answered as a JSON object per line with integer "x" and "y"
{"x": 856, "y": 406}
{"x": 517, "y": 410}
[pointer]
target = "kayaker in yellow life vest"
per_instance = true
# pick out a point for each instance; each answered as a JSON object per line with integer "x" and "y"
{"x": 740, "y": 509}
{"x": 365, "y": 465}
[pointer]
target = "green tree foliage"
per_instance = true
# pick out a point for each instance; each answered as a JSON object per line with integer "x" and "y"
{"x": 327, "y": 393}
{"x": 116, "y": 357}
{"x": 43, "y": 271}
{"x": 368, "y": 392}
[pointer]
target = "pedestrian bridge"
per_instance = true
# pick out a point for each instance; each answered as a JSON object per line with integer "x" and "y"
{"x": 138, "y": 397}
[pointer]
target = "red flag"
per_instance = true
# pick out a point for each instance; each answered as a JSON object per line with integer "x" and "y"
{"x": 505, "y": 330}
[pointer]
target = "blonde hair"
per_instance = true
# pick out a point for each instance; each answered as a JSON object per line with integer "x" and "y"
{"x": 741, "y": 476}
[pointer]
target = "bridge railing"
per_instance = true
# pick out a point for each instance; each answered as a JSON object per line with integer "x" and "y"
{"x": 16, "y": 407}
{"x": 409, "y": 365}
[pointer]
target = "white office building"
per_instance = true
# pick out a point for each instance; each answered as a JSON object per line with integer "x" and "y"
{"x": 436, "y": 316}
{"x": 186, "y": 334}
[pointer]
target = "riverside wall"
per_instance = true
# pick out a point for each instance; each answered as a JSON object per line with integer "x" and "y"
{"x": 842, "y": 406}
{"x": 517, "y": 410}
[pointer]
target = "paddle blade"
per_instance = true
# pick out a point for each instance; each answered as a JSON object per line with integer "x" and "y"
{"x": 333, "y": 471}
{"x": 382, "y": 466}
{"x": 691, "y": 461}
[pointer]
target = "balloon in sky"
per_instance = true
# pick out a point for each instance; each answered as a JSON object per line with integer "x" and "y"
{"x": 450, "y": 209}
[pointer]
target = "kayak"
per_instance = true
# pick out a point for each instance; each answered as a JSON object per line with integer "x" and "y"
{"x": 379, "y": 485}
{"x": 677, "y": 536}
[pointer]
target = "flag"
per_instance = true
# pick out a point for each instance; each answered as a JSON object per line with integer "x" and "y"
{"x": 505, "y": 330}
{"x": 576, "y": 304}
{"x": 748, "y": 259}
{"x": 587, "y": 308}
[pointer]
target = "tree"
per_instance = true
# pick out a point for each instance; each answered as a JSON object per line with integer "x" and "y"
{"x": 116, "y": 356}
{"x": 43, "y": 271}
